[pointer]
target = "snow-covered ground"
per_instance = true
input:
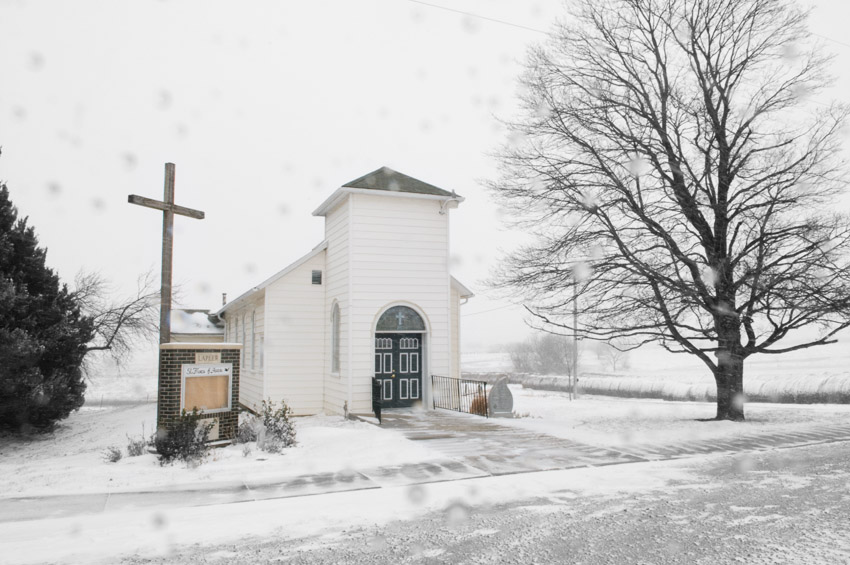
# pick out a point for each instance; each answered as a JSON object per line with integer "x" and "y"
{"x": 810, "y": 375}
{"x": 71, "y": 462}
{"x": 620, "y": 422}
{"x": 72, "y": 459}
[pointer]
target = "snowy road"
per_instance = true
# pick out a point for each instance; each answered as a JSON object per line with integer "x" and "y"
{"x": 591, "y": 481}
{"x": 783, "y": 506}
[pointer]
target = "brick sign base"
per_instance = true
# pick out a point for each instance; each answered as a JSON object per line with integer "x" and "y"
{"x": 172, "y": 357}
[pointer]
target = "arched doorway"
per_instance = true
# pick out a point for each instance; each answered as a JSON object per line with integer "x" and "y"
{"x": 399, "y": 337}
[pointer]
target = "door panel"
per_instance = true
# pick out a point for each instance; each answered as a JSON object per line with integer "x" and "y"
{"x": 398, "y": 368}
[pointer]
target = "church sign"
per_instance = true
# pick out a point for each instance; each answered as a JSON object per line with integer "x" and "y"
{"x": 207, "y": 387}
{"x": 202, "y": 376}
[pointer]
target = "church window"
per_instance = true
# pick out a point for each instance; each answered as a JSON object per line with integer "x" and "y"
{"x": 317, "y": 277}
{"x": 335, "y": 339}
{"x": 253, "y": 341}
{"x": 400, "y": 319}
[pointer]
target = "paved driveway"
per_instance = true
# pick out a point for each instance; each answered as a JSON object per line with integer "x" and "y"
{"x": 495, "y": 448}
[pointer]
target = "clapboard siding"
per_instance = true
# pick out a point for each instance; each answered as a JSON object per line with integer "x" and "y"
{"x": 455, "y": 306}
{"x": 380, "y": 250}
{"x": 294, "y": 367}
{"x": 337, "y": 235}
{"x": 400, "y": 256}
{"x": 251, "y": 381}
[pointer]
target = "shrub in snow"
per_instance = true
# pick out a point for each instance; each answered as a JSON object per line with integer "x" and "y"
{"x": 136, "y": 446}
{"x": 184, "y": 439}
{"x": 112, "y": 454}
{"x": 279, "y": 431}
{"x": 246, "y": 450}
{"x": 478, "y": 405}
{"x": 248, "y": 428}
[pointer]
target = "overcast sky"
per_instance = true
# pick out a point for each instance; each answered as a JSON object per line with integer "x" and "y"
{"x": 266, "y": 107}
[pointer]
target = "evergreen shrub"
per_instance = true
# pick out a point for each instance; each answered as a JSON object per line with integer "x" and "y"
{"x": 43, "y": 334}
{"x": 185, "y": 439}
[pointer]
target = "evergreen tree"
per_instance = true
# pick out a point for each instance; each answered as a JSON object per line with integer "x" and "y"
{"x": 43, "y": 335}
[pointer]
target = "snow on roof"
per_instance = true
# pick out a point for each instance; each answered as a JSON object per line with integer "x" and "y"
{"x": 193, "y": 322}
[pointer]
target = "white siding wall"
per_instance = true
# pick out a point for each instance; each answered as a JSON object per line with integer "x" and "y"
{"x": 455, "y": 333}
{"x": 295, "y": 336}
{"x": 399, "y": 255}
{"x": 336, "y": 289}
{"x": 250, "y": 380}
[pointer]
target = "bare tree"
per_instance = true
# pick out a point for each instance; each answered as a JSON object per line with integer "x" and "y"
{"x": 681, "y": 181}
{"x": 543, "y": 353}
{"x": 119, "y": 325}
{"x": 614, "y": 355}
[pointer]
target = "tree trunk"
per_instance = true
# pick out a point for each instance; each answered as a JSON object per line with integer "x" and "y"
{"x": 730, "y": 390}
{"x": 729, "y": 374}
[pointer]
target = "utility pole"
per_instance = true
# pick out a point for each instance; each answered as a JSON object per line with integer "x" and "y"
{"x": 575, "y": 336}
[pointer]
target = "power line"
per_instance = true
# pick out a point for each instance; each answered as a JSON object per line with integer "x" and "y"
{"x": 831, "y": 39}
{"x": 470, "y": 14}
{"x": 490, "y": 310}
{"x": 520, "y": 26}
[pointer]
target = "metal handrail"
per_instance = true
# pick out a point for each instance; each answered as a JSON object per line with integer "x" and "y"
{"x": 460, "y": 395}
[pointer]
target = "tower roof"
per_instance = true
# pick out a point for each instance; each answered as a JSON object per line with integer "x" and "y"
{"x": 393, "y": 181}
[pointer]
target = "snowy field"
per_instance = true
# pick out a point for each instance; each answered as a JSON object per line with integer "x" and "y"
{"x": 813, "y": 375}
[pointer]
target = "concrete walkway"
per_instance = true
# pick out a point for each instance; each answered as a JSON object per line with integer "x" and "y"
{"x": 471, "y": 447}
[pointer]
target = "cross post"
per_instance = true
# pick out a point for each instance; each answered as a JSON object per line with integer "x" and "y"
{"x": 169, "y": 208}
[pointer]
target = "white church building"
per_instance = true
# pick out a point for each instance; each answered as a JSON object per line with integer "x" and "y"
{"x": 374, "y": 299}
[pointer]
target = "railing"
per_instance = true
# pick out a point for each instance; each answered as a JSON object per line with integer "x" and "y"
{"x": 460, "y": 395}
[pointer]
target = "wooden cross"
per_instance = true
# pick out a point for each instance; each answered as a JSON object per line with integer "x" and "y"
{"x": 169, "y": 208}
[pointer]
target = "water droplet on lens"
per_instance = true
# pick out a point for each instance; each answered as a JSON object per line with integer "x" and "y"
{"x": 377, "y": 543}
{"x": 416, "y": 494}
{"x": 456, "y": 513}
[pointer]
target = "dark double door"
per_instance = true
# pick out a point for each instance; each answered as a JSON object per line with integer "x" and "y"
{"x": 398, "y": 368}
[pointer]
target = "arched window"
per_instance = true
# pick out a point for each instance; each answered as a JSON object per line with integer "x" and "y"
{"x": 253, "y": 340}
{"x": 400, "y": 319}
{"x": 244, "y": 341}
{"x": 335, "y": 338}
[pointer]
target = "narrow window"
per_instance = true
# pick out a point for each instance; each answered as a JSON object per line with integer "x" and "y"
{"x": 244, "y": 341}
{"x": 317, "y": 277}
{"x": 335, "y": 339}
{"x": 262, "y": 351}
{"x": 253, "y": 341}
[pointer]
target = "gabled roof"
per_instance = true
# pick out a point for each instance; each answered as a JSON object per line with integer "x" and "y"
{"x": 262, "y": 286}
{"x": 389, "y": 183}
{"x": 387, "y": 179}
